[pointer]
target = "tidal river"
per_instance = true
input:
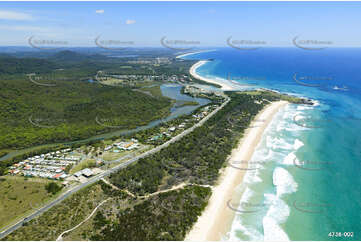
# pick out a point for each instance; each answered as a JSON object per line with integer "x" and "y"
{"x": 172, "y": 91}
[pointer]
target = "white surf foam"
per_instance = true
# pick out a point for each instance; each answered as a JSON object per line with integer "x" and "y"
{"x": 233, "y": 84}
{"x": 316, "y": 103}
{"x": 246, "y": 196}
{"x": 239, "y": 226}
{"x": 299, "y": 117}
{"x": 287, "y": 122}
{"x": 283, "y": 181}
{"x": 252, "y": 233}
{"x": 277, "y": 214}
{"x": 298, "y": 144}
{"x": 272, "y": 231}
{"x": 278, "y": 143}
{"x": 288, "y": 160}
{"x": 301, "y": 108}
{"x": 262, "y": 155}
{"x": 252, "y": 176}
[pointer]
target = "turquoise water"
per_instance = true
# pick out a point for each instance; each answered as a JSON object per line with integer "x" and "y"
{"x": 306, "y": 182}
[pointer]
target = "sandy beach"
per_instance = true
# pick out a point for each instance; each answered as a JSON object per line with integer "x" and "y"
{"x": 216, "y": 219}
{"x": 192, "y": 53}
{"x": 192, "y": 71}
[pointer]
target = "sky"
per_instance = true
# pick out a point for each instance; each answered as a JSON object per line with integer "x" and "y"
{"x": 194, "y": 23}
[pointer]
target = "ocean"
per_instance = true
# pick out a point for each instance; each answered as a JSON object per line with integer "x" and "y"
{"x": 304, "y": 181}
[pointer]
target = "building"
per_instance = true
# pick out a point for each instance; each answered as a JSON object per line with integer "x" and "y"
{"x": 78, "y": 174}
{"x": 156, "y": 137}
{"x": 87, "y": 172}
{"x": 63, "y": 176}
{"x": 57, "y": 176}
{"x": 126, "y": 146}
{"x": 182, "y": 125}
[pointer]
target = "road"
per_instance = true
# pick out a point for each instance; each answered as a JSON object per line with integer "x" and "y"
{"x": 96, "y": 178}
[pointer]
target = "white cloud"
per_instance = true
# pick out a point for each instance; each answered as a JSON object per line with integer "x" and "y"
{"x": 99, "y": 11}
{"x": 10, "y": 15}
{"x": 24, "y": 28}
{"x": 130, "y": 21}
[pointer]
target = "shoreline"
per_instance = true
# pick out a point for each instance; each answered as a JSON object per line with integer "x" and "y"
{"x": 216, "y": 220}
{"x": 192, "y": 71}
{"x": 193, "y": 53}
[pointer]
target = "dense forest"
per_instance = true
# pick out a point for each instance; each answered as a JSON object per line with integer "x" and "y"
{"x": 57, "y": 103}
{"x": 74, "y": 110}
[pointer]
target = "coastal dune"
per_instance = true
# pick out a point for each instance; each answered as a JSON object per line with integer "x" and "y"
{"x": 216, "y": 219}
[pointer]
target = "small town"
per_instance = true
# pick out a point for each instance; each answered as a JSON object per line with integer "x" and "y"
{"x": 143, "y": 78}
{"x": 56, "y": 165}
{"x": 51, "y": 165}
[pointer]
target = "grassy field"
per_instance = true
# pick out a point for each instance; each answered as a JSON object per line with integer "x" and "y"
{"x": 86, "y": 163}
{"x": 112, "y": 81}
{"x": 19, "y": 195}
{"x": 187, "y": 103}
{"x": 154, "y": 90}
{"x": 110, "y": 155}
{"x": 64, "y": 216}
{"x": 134, "y": 153}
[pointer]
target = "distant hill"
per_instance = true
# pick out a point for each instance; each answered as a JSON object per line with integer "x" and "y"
{"x": 13, "y": 65}
{"x": 10, "y": 64}
{"x": 73, "y": 56}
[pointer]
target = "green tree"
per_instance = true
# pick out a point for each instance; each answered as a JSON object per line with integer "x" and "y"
{"x": 53, "y": 187}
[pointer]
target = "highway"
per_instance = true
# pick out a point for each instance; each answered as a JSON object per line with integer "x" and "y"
{"x": 96, "y": 178}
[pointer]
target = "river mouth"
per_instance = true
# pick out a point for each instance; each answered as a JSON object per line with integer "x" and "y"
{"x": 172, "y": 91}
